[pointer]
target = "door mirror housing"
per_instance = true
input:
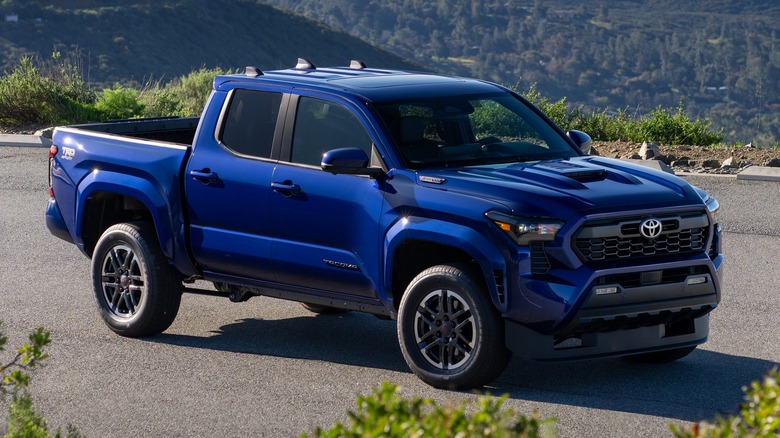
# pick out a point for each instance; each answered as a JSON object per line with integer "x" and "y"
{"x": 348, "y": 161}
{"x": 581, "y": 139}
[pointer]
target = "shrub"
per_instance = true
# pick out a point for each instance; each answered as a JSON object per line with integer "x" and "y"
{"x": 193, "y": 90}
{"x": 184, "y": 96}
{"x": 119, "y": 103}
{"x": 667, "y": 126}
{"x": 759, "y": 415}
{"x": 25, "y": 95}
{"x": 557, "y": 111}
{"x": 674, "y": 127}
{"x": 385, "y": 413}
{"x": 50, "y": 92}
{"x": 23, "y": 419}
{"x": 158, "y": 100}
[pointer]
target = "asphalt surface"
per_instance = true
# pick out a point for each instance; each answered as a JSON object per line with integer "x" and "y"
{"x": 269, "y": 368}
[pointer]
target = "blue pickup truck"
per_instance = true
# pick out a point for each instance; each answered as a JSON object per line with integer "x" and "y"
{"x": 450, "y": 205}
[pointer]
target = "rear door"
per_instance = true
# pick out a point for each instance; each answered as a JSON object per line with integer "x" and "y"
{"x": 325, "y": 225}
{"x": 227, "y": 184}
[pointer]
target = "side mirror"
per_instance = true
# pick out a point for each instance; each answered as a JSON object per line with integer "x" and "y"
{"x": 348, "y": 161}
{"x": 581, "y": 139}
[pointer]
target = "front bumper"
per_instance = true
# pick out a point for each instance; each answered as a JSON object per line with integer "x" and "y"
{"x": 530, "y": 344}
{"x": 615, "y": 310}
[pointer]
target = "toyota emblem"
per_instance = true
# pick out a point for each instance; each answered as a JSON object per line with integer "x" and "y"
{"x": 650, "y": 228}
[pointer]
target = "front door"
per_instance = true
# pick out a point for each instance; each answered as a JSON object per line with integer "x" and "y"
{"x": 327, "y": 237}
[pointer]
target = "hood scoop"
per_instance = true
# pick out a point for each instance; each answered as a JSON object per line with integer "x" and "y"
{"x": 573, "y": 171}
{"x": 587, "y": 175}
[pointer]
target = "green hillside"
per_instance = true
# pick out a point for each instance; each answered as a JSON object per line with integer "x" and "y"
{"x": 123, "y": 40}
{"x": 721, "y": 58}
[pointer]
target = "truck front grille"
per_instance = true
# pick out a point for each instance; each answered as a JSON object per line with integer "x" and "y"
{"x": 621, "y": 239}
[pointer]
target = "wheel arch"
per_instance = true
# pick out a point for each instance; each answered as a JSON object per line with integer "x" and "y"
{"x": 107, "y": 198}
{"x": 412, "y": 248}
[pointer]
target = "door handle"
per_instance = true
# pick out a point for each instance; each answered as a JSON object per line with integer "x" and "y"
{"x": 206, "y": 176}
{"x": 286, "y": 188}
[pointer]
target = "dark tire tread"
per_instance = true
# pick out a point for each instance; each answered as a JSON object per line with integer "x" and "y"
{"x": 490, "y": 359}
{"x": 164, "y": 287}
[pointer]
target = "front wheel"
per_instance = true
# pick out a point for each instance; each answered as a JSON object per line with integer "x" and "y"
{"x": 450, "y": 333}
{"x": 137, "y": 292}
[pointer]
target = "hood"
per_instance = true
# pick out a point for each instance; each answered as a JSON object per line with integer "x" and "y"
{"x": 562, "y": 188}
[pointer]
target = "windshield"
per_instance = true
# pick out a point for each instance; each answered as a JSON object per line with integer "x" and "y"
{"x": 456, "y": 131}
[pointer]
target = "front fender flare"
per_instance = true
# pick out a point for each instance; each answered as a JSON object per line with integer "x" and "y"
{"x": 465, "y": 238}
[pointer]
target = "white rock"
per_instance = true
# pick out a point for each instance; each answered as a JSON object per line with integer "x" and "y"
{"x": 649, "y": 151}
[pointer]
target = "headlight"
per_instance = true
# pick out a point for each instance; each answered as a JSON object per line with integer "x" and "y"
{"x": 712, "y": 204}
{"x": 525, "y": 230}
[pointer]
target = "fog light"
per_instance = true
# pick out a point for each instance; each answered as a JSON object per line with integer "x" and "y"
{"x": 607, "y": 290}
{"x": 696, "y": 280}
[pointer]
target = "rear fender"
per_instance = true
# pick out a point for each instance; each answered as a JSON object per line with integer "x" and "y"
{"x": 152, "y": 197}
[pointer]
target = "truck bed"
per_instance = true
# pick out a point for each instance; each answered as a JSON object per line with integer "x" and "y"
{"x": 134, "y": 164}
{"x": 170, "y": 129}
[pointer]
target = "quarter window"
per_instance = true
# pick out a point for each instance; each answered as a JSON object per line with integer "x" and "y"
{"x": 250, "y": 121}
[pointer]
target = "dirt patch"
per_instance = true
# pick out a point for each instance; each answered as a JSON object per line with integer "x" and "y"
{"x": 716, "y": 159}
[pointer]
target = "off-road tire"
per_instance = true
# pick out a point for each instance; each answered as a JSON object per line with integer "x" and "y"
{"x": 137, "y": 292}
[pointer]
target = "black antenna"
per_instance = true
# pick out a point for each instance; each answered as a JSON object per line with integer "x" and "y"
{"x": 253, "y": 71}
{"x": 305, "y": 64}
{"x": 359, "y": 65}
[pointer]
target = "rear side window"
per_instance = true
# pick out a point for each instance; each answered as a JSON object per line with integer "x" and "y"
{"x": 250, "y": 121}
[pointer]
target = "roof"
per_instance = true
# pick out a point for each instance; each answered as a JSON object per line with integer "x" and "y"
{"x": 358, "y": 79}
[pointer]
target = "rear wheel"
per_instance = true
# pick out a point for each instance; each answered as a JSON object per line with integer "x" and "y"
{"x": 137, "y": 292}
{"x": 450, "y": 333}
{"x": 661, "y": 356}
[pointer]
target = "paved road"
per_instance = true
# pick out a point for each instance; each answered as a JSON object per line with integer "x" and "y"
{"x": 269, "y": 368}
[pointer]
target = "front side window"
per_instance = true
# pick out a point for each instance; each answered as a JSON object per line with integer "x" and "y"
{"x": 470, "y": 130}
{"x": 320, "y": 126}
{"x": 250, "y": 121}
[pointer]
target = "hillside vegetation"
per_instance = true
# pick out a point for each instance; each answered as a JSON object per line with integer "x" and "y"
{"x": 138, "y": 40}
{"x": 719, "y": 57}
{"x": 620, "y": 58}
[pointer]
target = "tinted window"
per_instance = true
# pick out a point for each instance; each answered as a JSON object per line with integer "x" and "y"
{"x": 248, "y": 127}
{"x": 321, "y": 126}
